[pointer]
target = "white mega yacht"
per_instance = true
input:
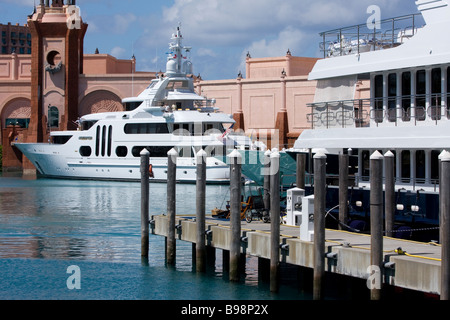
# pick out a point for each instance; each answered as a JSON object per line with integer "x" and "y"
{"x": 168, "y": 114}
{"x": 407, "y": 62}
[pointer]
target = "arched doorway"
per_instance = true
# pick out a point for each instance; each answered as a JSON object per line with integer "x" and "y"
{"x": 100, "y": 101}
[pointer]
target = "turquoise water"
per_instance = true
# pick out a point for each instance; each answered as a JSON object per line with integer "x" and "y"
{"x": 47, "y": 226}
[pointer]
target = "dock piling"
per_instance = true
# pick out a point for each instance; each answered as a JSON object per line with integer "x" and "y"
{"x": 235, "y": 214}
{"x": 389, "y": 205}
{"x": 319, "y": 224}
{"x": 274, "y": 220}
{"x": 145, "y": 194}
{"x": 266, "y": 174}
{"x": 172, "y": 156}
{"x": 301, "y": 168}
{"x": 376, "y": 224}
{"x": 445, "y": 225}
{"x": 200, "y": 248}
{"x": 343, "y": 190}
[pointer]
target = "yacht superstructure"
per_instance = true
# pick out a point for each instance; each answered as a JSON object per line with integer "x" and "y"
{"x": 407, "y": 112}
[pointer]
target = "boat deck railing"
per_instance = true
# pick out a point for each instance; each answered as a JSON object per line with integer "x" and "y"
{"x": 356, "y": 39}
{"x": 411, "y": 109}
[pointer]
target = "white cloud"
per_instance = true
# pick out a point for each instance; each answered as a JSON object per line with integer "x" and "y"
{"x": 118, "y": 52}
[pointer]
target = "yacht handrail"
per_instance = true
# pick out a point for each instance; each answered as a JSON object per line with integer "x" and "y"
{"x": 360, "y": 112}
{"x": 359, "y": 38}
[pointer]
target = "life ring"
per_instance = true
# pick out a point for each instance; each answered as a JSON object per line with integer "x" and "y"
{"x": 150, "y": 171}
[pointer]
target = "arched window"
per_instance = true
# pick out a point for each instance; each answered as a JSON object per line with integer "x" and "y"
{"x": 53, "y": 117}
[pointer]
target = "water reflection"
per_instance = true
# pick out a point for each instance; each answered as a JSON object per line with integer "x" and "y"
{"x": 59, "y": 219}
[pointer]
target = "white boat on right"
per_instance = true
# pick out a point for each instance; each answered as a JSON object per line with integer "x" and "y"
{"x": 407, "y": 113}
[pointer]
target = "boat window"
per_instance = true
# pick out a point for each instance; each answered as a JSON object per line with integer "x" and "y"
{"x": 435, "y": 165}
{"x": 121, "y": 151}
{"x": 97, "y": 141}
{"x": 406, "y": 96}
{"x": 130, "y": 106}
{"x": 448, "y": 91}
{"x": 420, "y": 94}
{"x": 406, "y": 166}
{"x": 185, "y": 152}
{"x": 178, "y": 84}
{"x": 420, "y": 166}
{"x": 60, "y": 139}
{"x": 146, "y": 128}
{"x": 86, "y": 125}
{"x": 365, "y": 170}
{"x": 436, "y": 96}
{"x": 378, "y": 105}
{"x": 85, "y": 151}
{"x": 109, "y": 140}
{"x": 392, "y": 94}
{"x": 155, "y": 151}
{"x": 181, "y": 129}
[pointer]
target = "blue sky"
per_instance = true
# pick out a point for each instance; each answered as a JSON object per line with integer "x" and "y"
{"x": 221, "y": 32}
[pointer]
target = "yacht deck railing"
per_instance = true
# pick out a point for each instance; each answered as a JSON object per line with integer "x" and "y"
{"x": 362, "y": 38}
{"x": 411, "y": 109}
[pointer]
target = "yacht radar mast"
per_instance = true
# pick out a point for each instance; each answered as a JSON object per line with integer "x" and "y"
{"x": 177, "y": 63}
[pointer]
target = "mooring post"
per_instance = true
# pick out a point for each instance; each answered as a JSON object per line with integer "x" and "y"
{"x": 301, "y": 169}
{"x": 389, "y": 193}
{"x": 172, "y": 156}
{"x": 343, "y": 191}
{"x": 376, "y": 225}
{"x": 200, "y": 248}
{"x": 274, "y": 220}
{"x": 235, "y": 214}
{"x": 266, "y": 174}
{"x": 444, "y": 186}
{"x": 145, "y": 194}
{"x": 320, "y": 160}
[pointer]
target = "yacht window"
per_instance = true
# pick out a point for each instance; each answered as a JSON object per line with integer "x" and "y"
{"x": 181, "y": 129}
{"x": 406, "y": 96}
{"x": 121, "y": 151}
{"x": 86, "y": 125}
{"x": 435, "y": 165}
{"x": 420, "y": 166}
{"x": 129, "y": 106}
{"x": 146, "y": 128}
{"x": 97, "y": 141}
{"x": 436, "y": 88}
{"x": 448, "y": 91}
{"x": 392, "y": 94}
{"x": 155, "y": 151}
{"x": 378, "y": 106}
{"x": 406, "y": 166}
{"x": 420, "y": 94}
{"x": 60, "y": 139}
{"x": 85, "y": 151}
{"x": 365, "y": 170}
{"x": 176, "y": 85}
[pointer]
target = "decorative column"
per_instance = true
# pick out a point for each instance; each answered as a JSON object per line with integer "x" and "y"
{"x": 282, "y": 119}
{"x": 239, "y": 115}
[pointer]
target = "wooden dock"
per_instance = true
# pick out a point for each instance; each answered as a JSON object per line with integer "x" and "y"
{"x": 410, "y": 265}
